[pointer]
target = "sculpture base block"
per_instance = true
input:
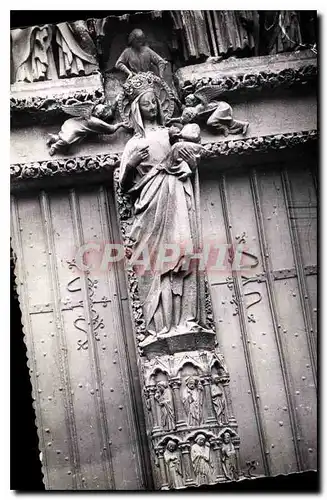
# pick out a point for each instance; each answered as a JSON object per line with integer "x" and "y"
{"x": 171, "y": 343}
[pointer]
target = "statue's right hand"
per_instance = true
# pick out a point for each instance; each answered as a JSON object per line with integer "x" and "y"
{"x": 139, "y": 156}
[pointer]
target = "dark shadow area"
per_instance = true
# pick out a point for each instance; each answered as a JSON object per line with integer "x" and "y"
{"x": 23, "y": 18}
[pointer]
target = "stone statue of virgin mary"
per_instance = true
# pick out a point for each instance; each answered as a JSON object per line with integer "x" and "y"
{"x": 159, "y": 170}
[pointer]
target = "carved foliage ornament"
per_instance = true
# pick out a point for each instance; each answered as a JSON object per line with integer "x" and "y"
{"x": 62, "y": 167}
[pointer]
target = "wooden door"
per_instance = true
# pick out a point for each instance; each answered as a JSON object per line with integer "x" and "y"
{"x": 266, "y": 316}
{"x": 79, "y": 344}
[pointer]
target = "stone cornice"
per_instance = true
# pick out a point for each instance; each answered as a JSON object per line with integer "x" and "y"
{"x": 71, "y": 166}
{"x": 255, "y": 73}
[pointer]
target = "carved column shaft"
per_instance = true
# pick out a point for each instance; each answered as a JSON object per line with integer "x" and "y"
{"x": 209, "y": 411}
{"x": 188, "y": 468}
{"x": 217, "y": 461}
{"x": 175, "y": 384}
{"x": 162, "y": 466}
{"x": 229, "y": 408}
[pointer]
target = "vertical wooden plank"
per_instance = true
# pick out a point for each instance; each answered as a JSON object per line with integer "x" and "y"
{"x": 303, "y": 213}
{"x": 227, "y": 325}
{"x": 299, "y": 265}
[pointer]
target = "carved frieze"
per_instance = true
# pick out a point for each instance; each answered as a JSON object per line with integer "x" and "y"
{"x": 72, "y": 166}
{"x": 259, "y": 144}
{"x": 62, "y": 167}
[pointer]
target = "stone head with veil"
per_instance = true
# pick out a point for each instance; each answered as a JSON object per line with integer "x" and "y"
{"x": 159, "y": 170}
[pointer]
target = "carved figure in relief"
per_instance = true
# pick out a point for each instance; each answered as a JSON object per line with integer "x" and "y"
{"x": 228, "y": 457}
{"x": 174, "y": 467}
{"x": 88, "y": 119}
{"x": 138, "y": 57}
{"x": 201, "y": 460}
{"x": 218, "y": 400}
{"x": 32, "y": 55}
{"x": 76, "y": 50}
{"x": 203, "y": 107}
{"x": 163, "y": 180}
{"x": 193, "y": 400}
{"x": 165, "y": 402}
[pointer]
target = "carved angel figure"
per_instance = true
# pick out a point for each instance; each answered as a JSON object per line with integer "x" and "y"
{"x": 201, "y": 460}
{"x": 173, "y": 462}
{"x": 138, "y": 57}
{"x": 87, "y": 119}
{"x": 218, "y": 400}
{"x": 164, "y": 400}
{"x": 193, "y": 400}
{"x": 228, "y": 458}
{"x": 203, "y": 106}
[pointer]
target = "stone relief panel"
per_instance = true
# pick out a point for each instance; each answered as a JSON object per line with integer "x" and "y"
{"x": 33, "y": 52}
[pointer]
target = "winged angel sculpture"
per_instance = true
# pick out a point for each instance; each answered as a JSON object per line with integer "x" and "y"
{"x": 203, "y": 106}
{"x": 88, "y": 118}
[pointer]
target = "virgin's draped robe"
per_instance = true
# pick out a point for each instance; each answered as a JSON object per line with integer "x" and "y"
{"x": 167, "y": 211}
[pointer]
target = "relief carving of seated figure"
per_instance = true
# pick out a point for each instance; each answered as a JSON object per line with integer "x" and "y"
{"x": 138, "y": 57}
